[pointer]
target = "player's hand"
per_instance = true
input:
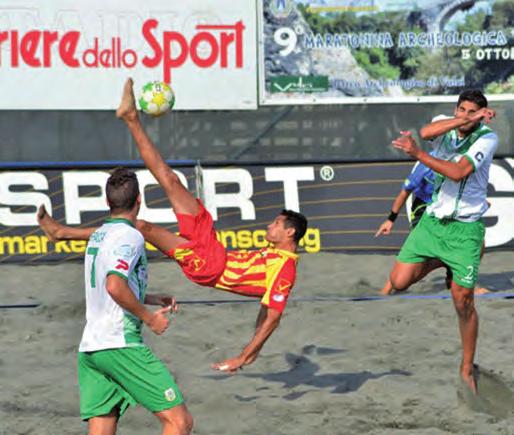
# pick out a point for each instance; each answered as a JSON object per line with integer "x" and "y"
{"x": 230, "y": 365}
{"x": 385, "y": 228}
{"x": 407, "y": 144}
{"x": 162, "y": 300}
{"x": 159, "y": 320}
{"x": 484, "y": 114}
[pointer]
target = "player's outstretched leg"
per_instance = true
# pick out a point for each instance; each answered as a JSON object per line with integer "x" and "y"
{"x": 182, "y": 201}
{"x": 161, "y": 238}
{"x": 49, "y": 225}
{"x": 56, "y": 231}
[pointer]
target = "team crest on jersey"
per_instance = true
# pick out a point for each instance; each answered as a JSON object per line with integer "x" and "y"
{"x": 170, "y": 395}
{"x": 121, "y": 264}
{"x": 198, "y": 263}
{"x": 125, "y": 251}
{"x": 97, "y": 236}
{"x": 283, "y": 285}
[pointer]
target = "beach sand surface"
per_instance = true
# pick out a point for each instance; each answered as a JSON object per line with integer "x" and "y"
{"x": 334, "y": 366}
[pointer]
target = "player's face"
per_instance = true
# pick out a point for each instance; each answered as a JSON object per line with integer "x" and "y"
{"x": 463, "y": 110}
{"x": 277, "y": 231}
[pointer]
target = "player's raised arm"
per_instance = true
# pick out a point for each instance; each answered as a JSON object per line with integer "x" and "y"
{"x": 442, "y": 126}
{"x": 454, "y": 171}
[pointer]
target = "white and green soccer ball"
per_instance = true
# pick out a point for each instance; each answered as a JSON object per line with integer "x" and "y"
{"x": 156, "y": 98}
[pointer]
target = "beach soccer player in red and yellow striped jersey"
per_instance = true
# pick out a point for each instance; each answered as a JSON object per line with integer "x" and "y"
{"x": 268, "y": 273}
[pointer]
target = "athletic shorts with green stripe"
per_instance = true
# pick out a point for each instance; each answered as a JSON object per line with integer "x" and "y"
{"x": 119, "y": 378}
{"x": 457, "y": 244}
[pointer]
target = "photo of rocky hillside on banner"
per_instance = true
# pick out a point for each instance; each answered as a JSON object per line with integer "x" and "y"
{"x": 386, "y": 49}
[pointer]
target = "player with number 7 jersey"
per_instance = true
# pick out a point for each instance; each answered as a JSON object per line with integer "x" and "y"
{"x": 116, "y": 248}
{"x": 115, "y": 368}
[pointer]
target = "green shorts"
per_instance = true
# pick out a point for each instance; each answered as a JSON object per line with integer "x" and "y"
{"x": 457, "y": 244}
{"x": 123, "y": 377}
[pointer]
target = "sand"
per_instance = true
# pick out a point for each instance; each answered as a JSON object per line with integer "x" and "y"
{"x": 333, "y": 367}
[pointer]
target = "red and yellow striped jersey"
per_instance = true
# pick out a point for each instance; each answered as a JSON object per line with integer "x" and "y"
{"x": 267, "y": 273}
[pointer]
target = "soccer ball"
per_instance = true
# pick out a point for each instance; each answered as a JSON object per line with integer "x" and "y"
{"x": 156, "y": 98}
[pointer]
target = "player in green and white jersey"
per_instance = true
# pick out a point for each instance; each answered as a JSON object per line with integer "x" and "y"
{"x": 116, "y": 248}
{"x": 451, "y": 231}
{"x": 115, "y": 368}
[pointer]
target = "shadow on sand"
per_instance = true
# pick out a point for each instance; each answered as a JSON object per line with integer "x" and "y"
{"x": 304, "y": 372}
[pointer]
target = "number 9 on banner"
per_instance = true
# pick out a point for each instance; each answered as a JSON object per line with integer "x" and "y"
{"x": 285, "y": 37}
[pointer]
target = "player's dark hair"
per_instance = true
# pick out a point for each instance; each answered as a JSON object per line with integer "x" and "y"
{"x": 297, "y": 221}
{"x": 473, "y": 95}
{"x": 122, "y": 190}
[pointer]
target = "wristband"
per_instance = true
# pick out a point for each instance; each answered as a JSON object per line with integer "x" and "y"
{"x": 392, "y": 216}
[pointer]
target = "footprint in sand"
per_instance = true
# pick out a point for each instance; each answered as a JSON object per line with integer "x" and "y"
{"x": 494, "y": 397}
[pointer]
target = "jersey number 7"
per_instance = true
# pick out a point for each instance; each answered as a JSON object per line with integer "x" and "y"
{"x": 94, "y": 253}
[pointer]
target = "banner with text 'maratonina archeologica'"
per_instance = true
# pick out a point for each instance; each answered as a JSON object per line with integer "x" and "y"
{"x": 385, "y": 51}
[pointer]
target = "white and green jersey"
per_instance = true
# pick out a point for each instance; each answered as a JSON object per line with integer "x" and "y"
{"x": 114, "y": 248}
{"x": 463, "y": 200}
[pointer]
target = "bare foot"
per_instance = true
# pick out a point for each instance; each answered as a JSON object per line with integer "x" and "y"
{"x": 468, "y": 377}
{"x": 481, "y": 291}
{"x": 48, "y": 224}
{"x": 127, "y": 108}
{"x": 387, "y": 291}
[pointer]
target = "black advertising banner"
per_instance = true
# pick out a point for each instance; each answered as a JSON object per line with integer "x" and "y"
{"x": 385, "y": 51}
{"x": 345, "y": 204}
